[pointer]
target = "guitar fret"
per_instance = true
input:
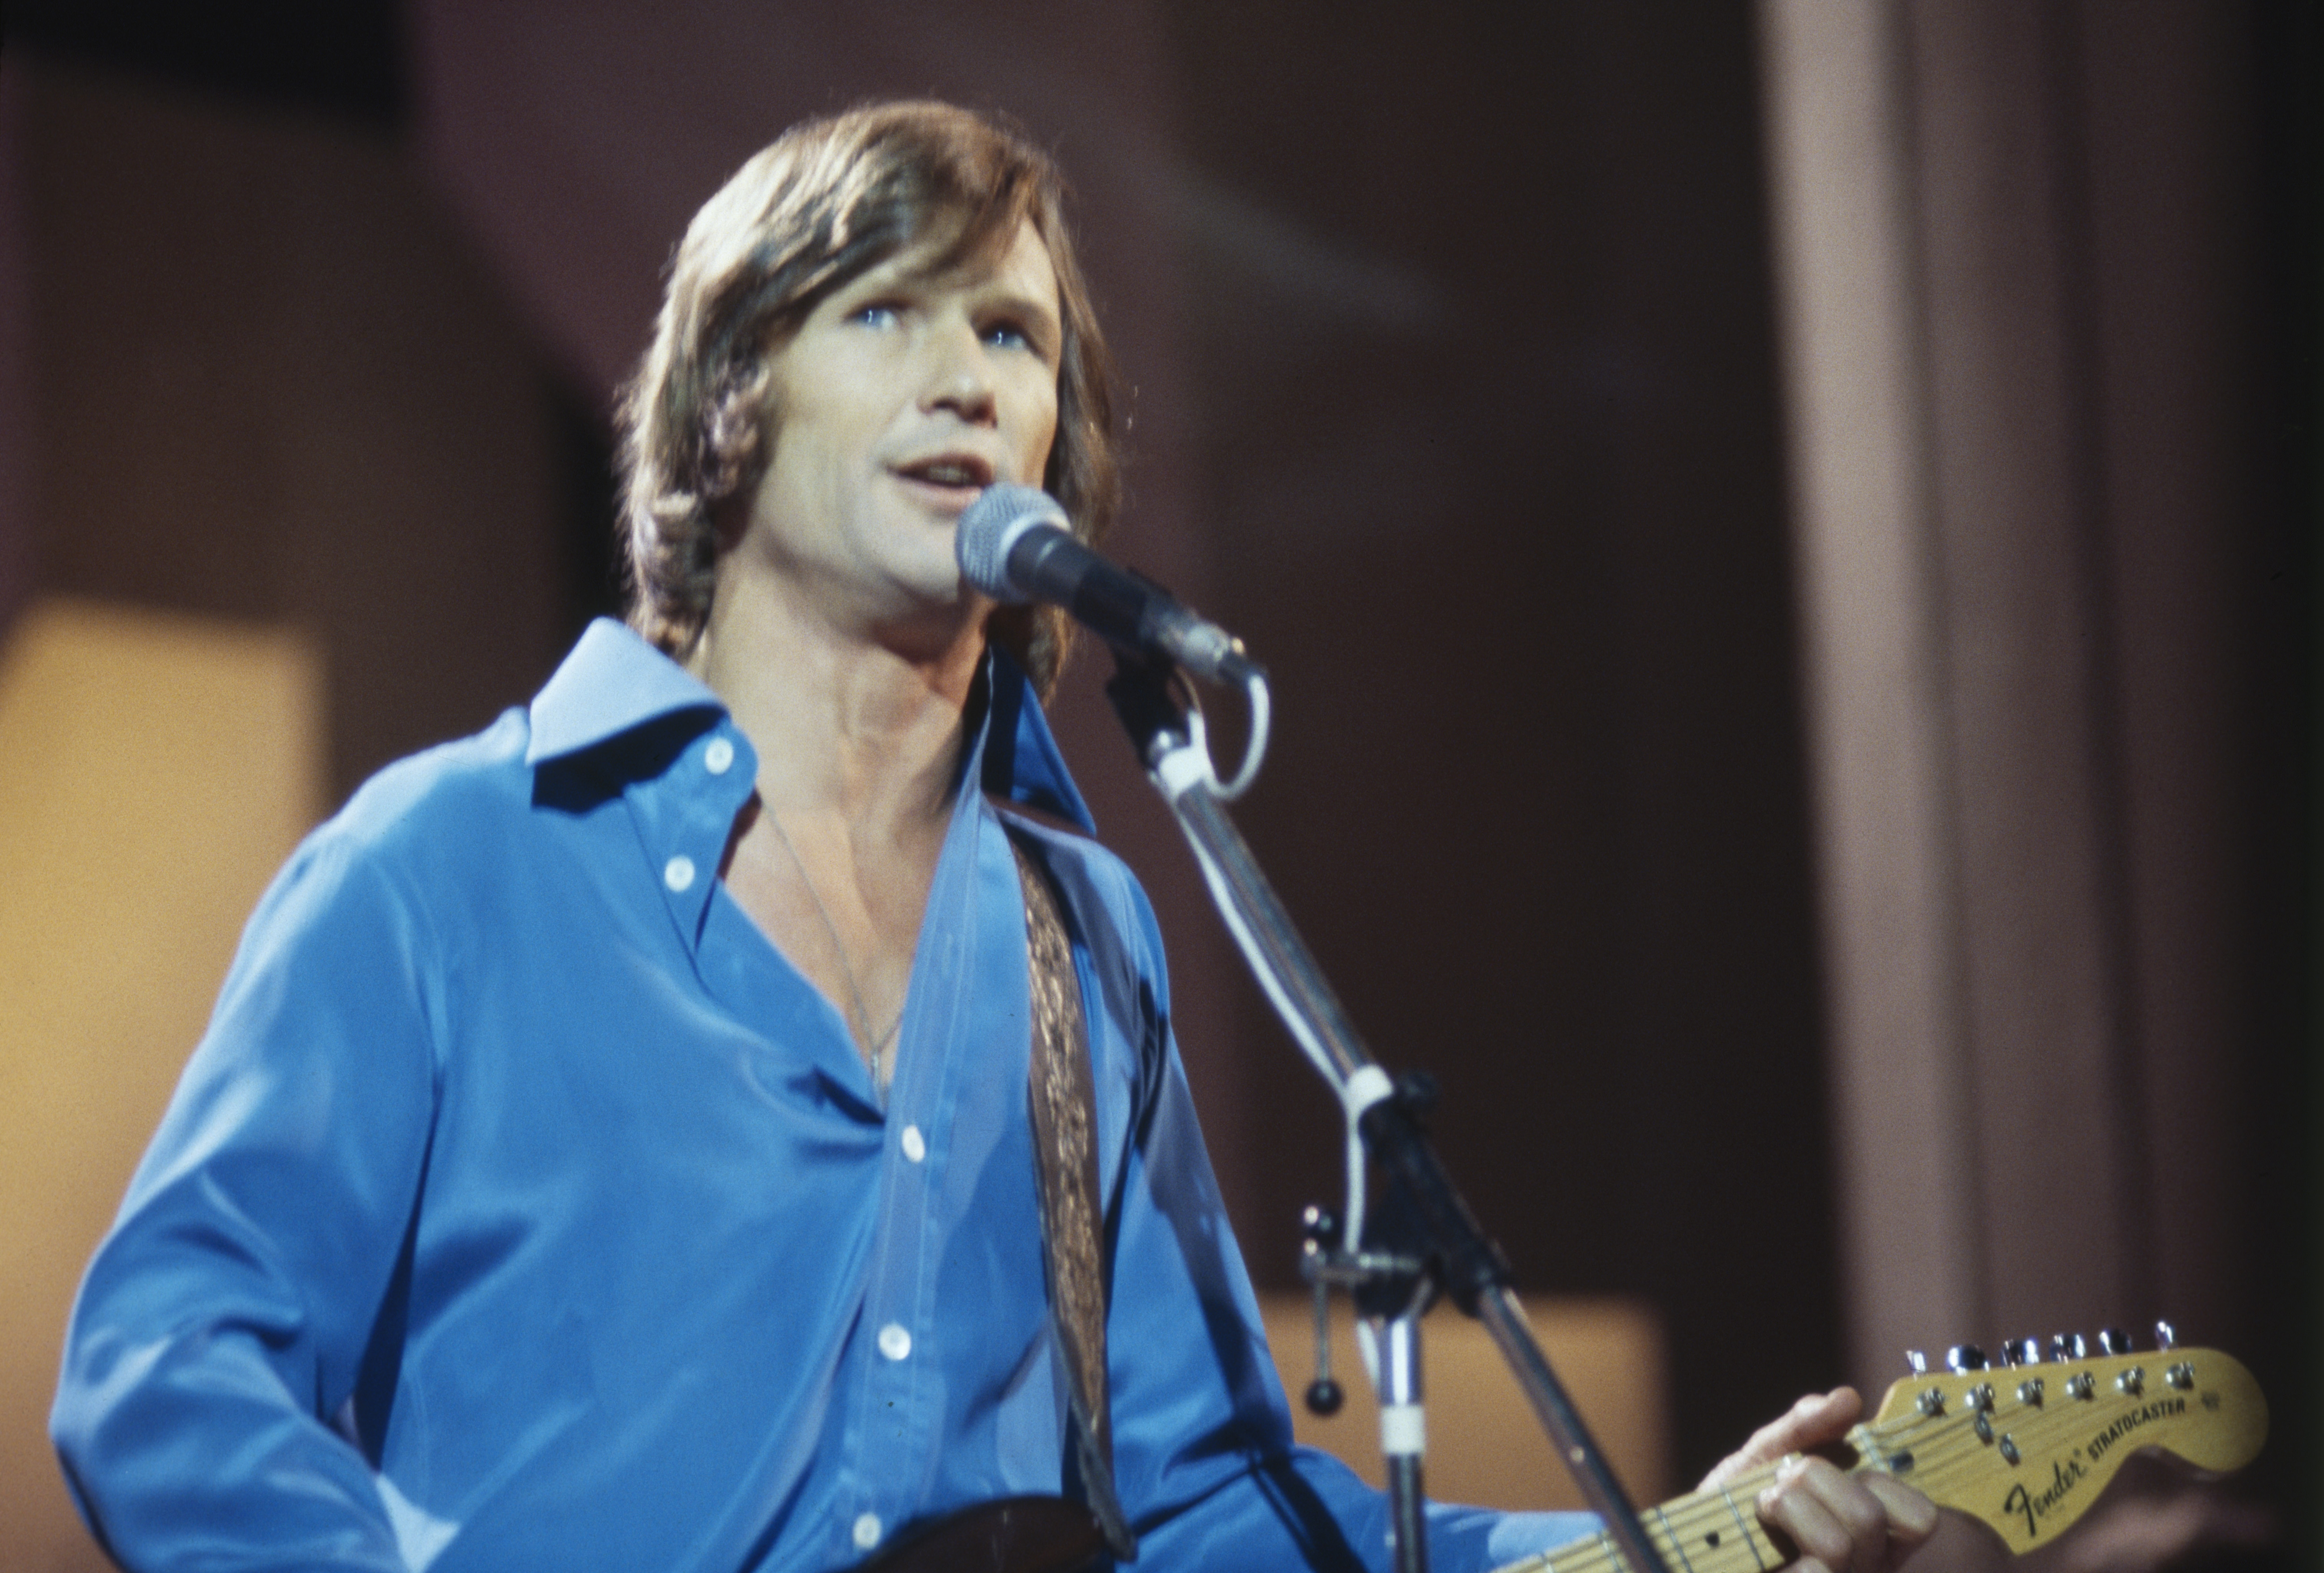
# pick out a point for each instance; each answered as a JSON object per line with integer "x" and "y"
{"x": 2059, "y": 1456}
{"x": 1701, "y": 1538}
{"x": 2070, "y": 1450}
{"x": 1672, "y": 1544}
{"x": 1748, "y": 1525}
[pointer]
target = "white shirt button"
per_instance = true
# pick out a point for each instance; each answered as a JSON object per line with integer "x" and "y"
{"x": 719, "y": 756}
{"x": 894, "y": 1341}
{"x": 916, "y": 1145}
{"x": 867, "y": 1531}
{"x": 679, "y": 872}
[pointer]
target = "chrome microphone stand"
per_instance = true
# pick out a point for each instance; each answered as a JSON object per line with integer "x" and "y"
{"x": 1383, "y": 1122}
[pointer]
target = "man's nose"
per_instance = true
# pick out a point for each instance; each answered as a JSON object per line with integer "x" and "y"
{"x": 959, "y": 375}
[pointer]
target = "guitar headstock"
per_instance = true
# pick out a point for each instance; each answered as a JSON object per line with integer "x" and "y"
{"x": 2028, "y": 1448}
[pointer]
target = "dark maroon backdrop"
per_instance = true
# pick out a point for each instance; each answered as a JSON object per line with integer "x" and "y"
{"x": 1457, "y": 396}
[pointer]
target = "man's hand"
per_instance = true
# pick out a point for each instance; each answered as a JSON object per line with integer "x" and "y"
{"x": 1841, "y": 1523}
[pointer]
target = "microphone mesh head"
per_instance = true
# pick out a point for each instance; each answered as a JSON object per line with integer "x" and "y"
{"x": 991, "y": 527}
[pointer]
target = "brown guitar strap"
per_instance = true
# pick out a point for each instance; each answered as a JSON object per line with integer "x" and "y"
{"x": 1064, "y": 1166}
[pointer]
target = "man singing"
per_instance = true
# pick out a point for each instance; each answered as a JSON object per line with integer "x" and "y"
{"x": 612, "y": 1148}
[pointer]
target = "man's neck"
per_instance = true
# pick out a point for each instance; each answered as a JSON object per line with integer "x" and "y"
{"x": 847, "y": 724}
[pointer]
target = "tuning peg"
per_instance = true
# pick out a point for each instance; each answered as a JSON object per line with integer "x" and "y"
{"x": 1918, "y": 1361}
{"x": 1962, "y": 1358}
{"x": 2166, "y": 1337}
{"x": 2114, "y": 1341}
{"x": 2021, "y": 1352}
{"x": 2064, "y": 1347}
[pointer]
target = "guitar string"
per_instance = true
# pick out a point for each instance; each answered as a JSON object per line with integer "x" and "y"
{"x": 1954, "y": 1451}
{"x": 1721, "y": 1507}
{"x": 1946, "y": 1449}
{"x": 1684, "y": 1520}
{"x": 1600, "y": 1552}
{"x": 2046, "y": 1434}
{"x": 1949, "y": 1444}
{"x": 2065, "y": 1413}
{"x": 1936, "y": 1458}
{"x": 1679, "y": 1519}
{"x": 1960, "y": 1452}
{"x": 1948, "y": 1452}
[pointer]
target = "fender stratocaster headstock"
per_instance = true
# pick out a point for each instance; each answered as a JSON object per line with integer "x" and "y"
{"x": 2028, "y": 1448}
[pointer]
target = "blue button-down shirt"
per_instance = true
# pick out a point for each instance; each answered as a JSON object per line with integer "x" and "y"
{"x": 524, "y": 1207}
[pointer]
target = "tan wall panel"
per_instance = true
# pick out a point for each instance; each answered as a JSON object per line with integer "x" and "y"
{"x": 154, "y": 771}
{"x": 1484, "y": 1446}
{"x": 273, "y": 382}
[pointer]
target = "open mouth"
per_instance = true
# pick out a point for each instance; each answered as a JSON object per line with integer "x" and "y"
{"x": 951, "y": 472}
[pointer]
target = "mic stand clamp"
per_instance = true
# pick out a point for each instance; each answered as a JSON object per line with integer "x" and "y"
{"x": 1392, "y": 1284}
{"x": 1384, "y": 1126}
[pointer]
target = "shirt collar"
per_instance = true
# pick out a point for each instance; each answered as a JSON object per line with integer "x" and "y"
{"x": 614, "y": 682}
{"x": 1022, "y": 762}
{"x": 611, "y": 682}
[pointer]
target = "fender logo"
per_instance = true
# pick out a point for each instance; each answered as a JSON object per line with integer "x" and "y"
{"x": 2064, "y": 1475}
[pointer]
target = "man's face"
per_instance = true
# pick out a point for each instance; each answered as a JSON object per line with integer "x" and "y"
{"x": 899, "y": 400}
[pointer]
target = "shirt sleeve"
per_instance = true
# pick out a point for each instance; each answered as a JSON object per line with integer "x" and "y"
{"x": 224, "y": 1321}
{"x": 1203, "y": 1457}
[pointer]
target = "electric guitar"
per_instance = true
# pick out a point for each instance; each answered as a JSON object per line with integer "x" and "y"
{"x": 2024, "y": 1449}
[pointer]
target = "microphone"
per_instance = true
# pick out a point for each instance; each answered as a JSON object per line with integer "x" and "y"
{"x": 1016, "y": 545}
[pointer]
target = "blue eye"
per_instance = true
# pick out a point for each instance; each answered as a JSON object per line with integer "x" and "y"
{"x": 1007, "y": 336}
{"x": 880, "y": 314}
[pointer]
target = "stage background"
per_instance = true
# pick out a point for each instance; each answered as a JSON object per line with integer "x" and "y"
{"x": 1785, "y": 535}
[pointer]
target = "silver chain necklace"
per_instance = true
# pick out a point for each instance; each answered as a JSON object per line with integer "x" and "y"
{"x": 875, "y": 1043}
